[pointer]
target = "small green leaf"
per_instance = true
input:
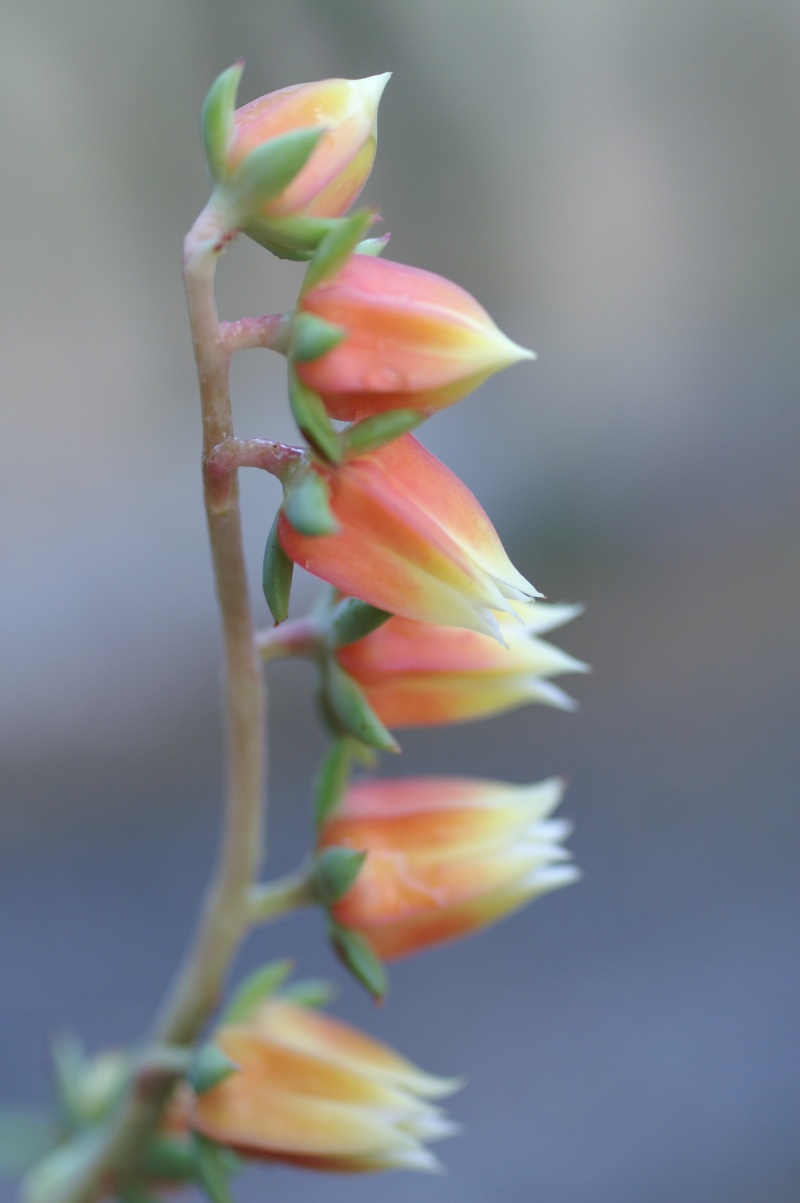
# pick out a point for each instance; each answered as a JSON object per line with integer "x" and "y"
{"x": 307, "y": 506}
{"x": 310, "y": 993}
{"x": 357, "y": 956}
{"x": 375, "y": 432}
{"x": 59, "y": 1173}
{"x": 169, "y": 1160}
{"x": 25, "y": 1137}
{"x": 68, "y": 1060}
{"x": 312, "y": 418}
{"x": 211, "y": 1170}
{"x": 255, "y": 989}
{"x": 134, "y": 1193}
{"x": 269, "y": 169}
{"x": 209, "y": 1068}
{"x": 276, "y": 576}
{"x": 294, "y": 238}
{"x": 353, "y": 619}
{"x": 337, "y": 247}
{"x": 335, "y": 872}
{"x": 217, "y": 121}
{"x": 351, "y": 708}
{"x": 312, "y": 337}
{"x": 331, "y": 780}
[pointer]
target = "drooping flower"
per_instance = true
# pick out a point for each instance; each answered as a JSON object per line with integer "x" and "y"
{"x": 314, "y": 1092}
{"x": 412, "y": 340}
{"x": 445, "y": 856}
{"x": 417, "y": 674}
{"x": 412, "y": 539}
{"x": 291, "y": 220}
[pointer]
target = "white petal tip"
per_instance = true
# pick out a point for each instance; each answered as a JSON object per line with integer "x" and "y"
{"x": 371, "y": 87}
{"x": 416, "y": 1159}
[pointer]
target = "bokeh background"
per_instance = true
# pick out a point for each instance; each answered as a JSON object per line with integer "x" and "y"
{"x": 619, "y": 183}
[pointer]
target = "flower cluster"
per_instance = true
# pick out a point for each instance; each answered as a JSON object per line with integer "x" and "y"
{"x": 427, "y": 622}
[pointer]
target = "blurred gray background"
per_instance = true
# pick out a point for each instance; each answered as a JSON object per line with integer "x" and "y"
{"x": 619, "y": 183}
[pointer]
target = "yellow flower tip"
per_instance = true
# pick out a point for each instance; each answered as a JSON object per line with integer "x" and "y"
{"x": 512, "y": 352}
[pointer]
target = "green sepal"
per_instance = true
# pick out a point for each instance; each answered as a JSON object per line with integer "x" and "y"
{"x": 352, "y": 711}
{"x": 312, "y": 336}
{"x": 58, "y": 1174}
{"x": 357, "y": 956}
{"x": 276, "y": 575}
{"x": 212, "y": 1170}
{"x": 254, "y": 990}
{"x": 352, "y": 619}
{"x": 209, "y": 1067}
{"x": 307, "y": 505}
{"x": 216, "y": 122}
{"x": 337, "y": 247}
{"x": 367, "y": 757}
{"x": 311, "y": 992}
{"x": 25, "y": 1137}
{"x": 134, "y": 1192}
{"x": 295, "y": 238}
{"x": 331, "y": 780}
{"x": 269, "y": 169}
{"x": 335, "y": 872}
{"x": 169, "y": 1160}
{"x": 373, "y": 246}
{"x": 68, "y": 1061}
{"x": 375, "y": 432}
{"x": 312, "y": 418}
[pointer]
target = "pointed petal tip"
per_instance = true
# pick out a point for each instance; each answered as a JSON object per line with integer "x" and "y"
{"x": 417, "y": 1158}
{"x": 371, "y": 87}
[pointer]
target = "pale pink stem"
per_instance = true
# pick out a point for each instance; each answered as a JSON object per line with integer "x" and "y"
{"x": 297, "y": 637}
{"x": 277, "y": 458}
{"x": 270, "y": 332}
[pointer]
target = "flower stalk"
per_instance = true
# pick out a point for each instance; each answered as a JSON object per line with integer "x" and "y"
{"x": 231, "y": 905}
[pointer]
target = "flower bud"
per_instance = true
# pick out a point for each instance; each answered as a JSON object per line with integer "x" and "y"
{"x": 445, "y": 856}
{"x": 324, "y": 184}
{"x": 313, "y": 1092}
{"x": 412, "y": 540}
{"x": 412, "y": 340}
{"x": 417, "y": 674}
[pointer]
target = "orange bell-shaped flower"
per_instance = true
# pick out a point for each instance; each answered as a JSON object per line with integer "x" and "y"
{"x": 411, "y": 539}
{"x": 412, "y": 340}
{"x": 311, "y": 1091}
{"x": 418, "y": 674}
{"x": 445, "y": 856}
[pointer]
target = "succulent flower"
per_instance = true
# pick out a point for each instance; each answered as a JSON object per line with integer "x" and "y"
{"x": 290, "y": 161}
{"x": 411, "y": 539}
{"x": 411, "y": 340}
{"x": 445, "y": 856}
{"x": 417, "y": 674}
{"x": 311, "y": 1091}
